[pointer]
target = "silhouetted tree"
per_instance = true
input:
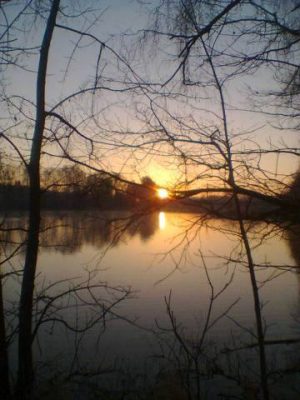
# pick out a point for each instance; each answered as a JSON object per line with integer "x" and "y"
{"x": 37, "y": 128}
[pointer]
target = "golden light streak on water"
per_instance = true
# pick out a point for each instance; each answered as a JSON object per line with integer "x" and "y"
{"x": 162, "y": 220}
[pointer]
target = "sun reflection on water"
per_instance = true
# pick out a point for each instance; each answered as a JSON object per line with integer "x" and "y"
{"x": 162, "y": 220}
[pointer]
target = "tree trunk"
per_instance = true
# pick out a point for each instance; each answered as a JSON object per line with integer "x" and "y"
{"x": 245, "y": 240}
{"x": 25, "y": 366}
{"x": 4, "y": 386}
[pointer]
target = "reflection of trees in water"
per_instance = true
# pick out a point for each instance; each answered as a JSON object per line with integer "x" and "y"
{"x": 67, "y": 232}
{"x": 77, "y": 310}
{"x": 262, "y": 231}
{"x": 145, "y": 226}
{"x": 293, "y": 239}
{"x": 292, "y": 236}
{"x": 70, "y": 231}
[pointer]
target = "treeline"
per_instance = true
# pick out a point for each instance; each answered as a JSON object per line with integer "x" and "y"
{"x": 70, "y": 187}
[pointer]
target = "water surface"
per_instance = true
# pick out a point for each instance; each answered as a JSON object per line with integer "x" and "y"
{"x": 179, "y": 259}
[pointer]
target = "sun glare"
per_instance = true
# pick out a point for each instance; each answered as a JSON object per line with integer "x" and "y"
{"x": 162, "y": 193}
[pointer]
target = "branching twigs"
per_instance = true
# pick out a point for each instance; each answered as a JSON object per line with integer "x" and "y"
{"x": 195, "y": 352}
{"x": 219, "y": 43}
{"x": 244, "y": 236}
{"x": 77, "y": 297}
{"x": 219, "y": 63}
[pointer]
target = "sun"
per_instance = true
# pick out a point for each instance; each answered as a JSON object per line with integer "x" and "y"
{"x": 162, "y": 193}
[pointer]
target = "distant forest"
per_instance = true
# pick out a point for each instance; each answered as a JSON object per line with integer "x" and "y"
{"x": 69, "y": 187}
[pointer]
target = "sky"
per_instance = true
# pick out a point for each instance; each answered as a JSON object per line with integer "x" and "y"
{"x": 119, "y": 118}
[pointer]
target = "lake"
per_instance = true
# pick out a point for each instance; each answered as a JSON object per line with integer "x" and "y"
{"x": 130, "y": 280}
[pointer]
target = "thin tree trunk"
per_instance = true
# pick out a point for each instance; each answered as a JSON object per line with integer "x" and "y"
{"x": 25, "y": 366}
{"x": 244, "y": 236}
{"x": 257, "y": 306}
{"x": 4, "y": 386}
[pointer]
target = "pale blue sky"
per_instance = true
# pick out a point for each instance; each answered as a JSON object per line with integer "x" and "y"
{"x": 128, "y": 17}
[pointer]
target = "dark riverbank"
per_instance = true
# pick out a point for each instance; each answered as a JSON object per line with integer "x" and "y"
{"x": 16, "y": 198}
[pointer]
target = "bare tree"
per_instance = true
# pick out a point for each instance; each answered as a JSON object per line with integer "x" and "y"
{"x": 53, "y": 128}
{"x": 217, "y": 49}
{"x": 222, "y": 61}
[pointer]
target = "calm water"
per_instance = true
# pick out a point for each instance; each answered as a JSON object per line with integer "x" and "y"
{"x": 180, "y": 257}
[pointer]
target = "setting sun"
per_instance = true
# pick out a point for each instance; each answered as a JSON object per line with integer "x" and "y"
{"x": 162, "y": 193}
